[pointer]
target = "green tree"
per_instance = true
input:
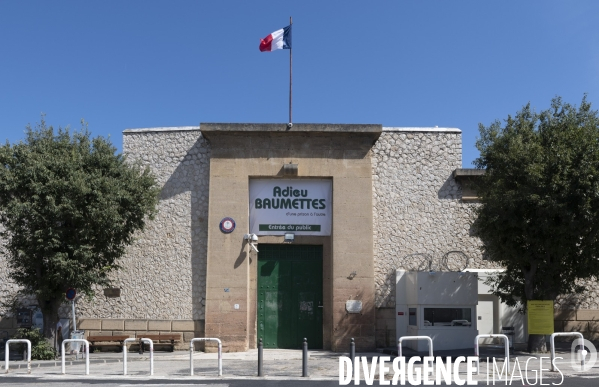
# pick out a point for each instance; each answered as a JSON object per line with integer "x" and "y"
{"x": 539, "y": 213}
{"x": 70, "y": 206}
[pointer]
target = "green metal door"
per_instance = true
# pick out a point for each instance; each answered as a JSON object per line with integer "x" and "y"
{"x": 290, "y": 295}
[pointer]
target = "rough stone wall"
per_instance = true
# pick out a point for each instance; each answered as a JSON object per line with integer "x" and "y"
{"x": 164, "y": 271}
{"x": 417, "y": 207}
{"x": 585, "y": 321}
{"x": 588, "y": 299}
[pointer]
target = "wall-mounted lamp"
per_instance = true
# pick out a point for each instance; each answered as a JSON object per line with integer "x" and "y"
{"x": 290, "y": 169}
{"x": 352, "y": 275}
{"x": 289, "y": 238}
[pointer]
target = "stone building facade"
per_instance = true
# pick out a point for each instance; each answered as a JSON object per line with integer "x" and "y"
{"x": 393, "y": 187}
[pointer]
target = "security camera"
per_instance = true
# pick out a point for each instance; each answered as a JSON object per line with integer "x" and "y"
{"x": 252, "y": 239}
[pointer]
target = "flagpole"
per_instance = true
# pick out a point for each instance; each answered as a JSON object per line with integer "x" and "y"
{"x": 290, "y": 75}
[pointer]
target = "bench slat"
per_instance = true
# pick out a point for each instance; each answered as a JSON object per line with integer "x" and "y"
{"x": 159, "y": 337}
{"x": 172, "y": 338}
{"x": 107, "y": 338}
{"x": 115, "y": 344}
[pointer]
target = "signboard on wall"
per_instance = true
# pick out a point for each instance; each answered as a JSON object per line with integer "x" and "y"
{"x": 540, "y": 317}
{"x": 302, "y": 207}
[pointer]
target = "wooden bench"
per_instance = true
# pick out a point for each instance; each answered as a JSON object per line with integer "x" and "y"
{"x": 106, "y": 341}
{"x": 160, "y": 340}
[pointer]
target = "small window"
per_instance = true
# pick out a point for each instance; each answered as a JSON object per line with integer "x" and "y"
{"x": 412, "y": 316}
{"x": 448, "y": 317}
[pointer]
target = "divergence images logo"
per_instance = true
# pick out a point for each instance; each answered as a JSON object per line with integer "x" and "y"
{"x": 589, "y": 353}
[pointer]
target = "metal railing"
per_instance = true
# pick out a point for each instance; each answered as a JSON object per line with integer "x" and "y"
{"x": 552, "y": 343}
{"x": 220, "y": 353}
{"x": 427, "y": 338}
{"x": 86, "y": 353}
{"x": 403, "y": 338}
{"x": 141, "y": 342}
{"x": 28, "y": 353}
{"x": 506, "y": 346}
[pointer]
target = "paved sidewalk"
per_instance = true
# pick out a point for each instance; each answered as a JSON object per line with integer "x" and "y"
{"x": 278, "y": 364}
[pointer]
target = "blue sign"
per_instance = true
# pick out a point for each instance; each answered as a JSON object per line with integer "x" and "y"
{"x": 71, "y": 293}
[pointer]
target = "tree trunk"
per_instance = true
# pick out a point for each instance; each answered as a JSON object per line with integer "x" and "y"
{"x": 50, "y": 310}
{"x": 536, "y": 344}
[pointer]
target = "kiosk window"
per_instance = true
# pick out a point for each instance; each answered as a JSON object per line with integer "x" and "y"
{"x": 412, "y": 316}
{"x": 448, "y": 317}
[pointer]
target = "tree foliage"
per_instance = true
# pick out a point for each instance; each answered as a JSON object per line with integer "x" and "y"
{"x": 539, "y": 213}
{"x": 70, "y": 206}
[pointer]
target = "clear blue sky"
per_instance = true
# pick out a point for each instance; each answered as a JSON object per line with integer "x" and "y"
{"x": 135, "y": 64}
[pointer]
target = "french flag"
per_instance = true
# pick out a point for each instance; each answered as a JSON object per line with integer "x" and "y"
{"x": 280, "y": 39}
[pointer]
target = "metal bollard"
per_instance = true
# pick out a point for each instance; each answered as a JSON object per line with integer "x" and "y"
{"x": 305, "y": 359}
{"x": 260, "y": 358}
{"x": 62, "y": 351}
{"x": 352, "y": 351}
{"x": 141, "y": 342}
{"x": 6, "y": 353}
{"x": 220, "y": 353}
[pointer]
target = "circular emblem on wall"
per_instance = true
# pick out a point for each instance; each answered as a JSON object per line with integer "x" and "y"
{"x": 227, "y": 225}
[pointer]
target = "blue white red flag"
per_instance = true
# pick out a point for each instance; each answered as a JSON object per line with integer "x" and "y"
{"x": 280, "y": 39}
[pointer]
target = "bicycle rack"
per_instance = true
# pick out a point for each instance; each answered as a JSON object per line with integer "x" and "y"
{"x": 430, "y": 344}
{"x": 86, "y": 353}
{"x": 506, "y": 346}
{"x": 6, "y": 357}
{"x": 552, "y": 343}
{"x": 141, "y": 342}
{"x": 220, "y": 353}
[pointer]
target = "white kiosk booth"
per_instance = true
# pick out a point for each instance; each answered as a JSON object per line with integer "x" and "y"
{"x": 441, "y": 305}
